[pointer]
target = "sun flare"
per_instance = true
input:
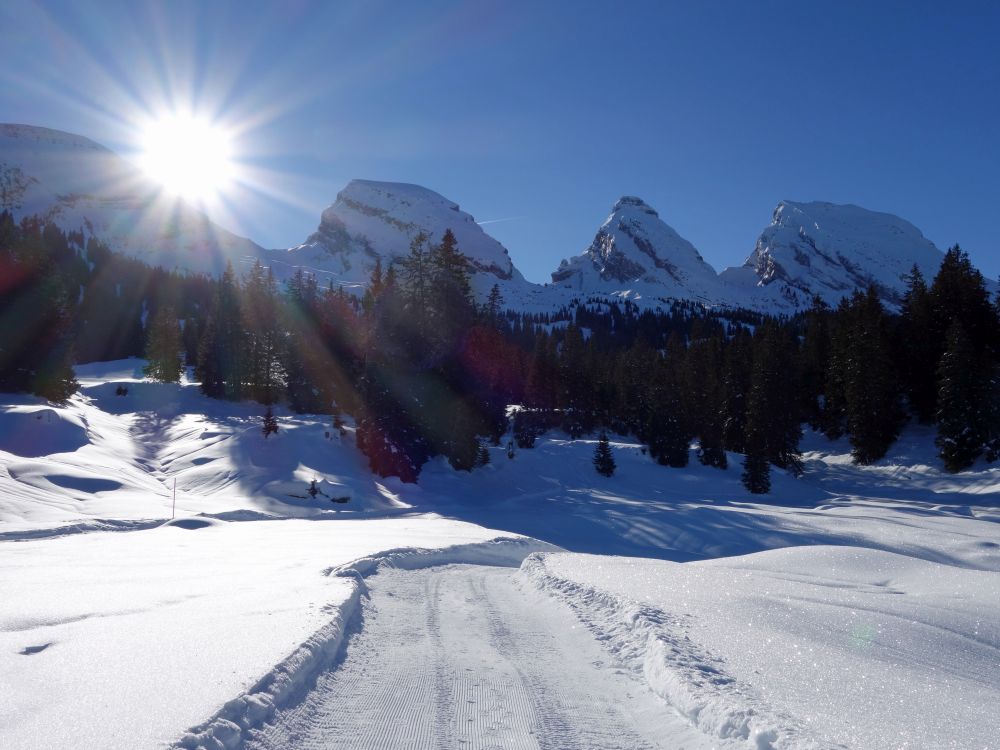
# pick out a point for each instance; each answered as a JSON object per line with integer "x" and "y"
{"x": 189, "y": 157}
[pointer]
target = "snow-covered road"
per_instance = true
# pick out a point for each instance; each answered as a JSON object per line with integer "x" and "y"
{"x": 463, "y": 656}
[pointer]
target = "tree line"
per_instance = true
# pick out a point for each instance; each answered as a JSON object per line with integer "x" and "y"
{"x": 426, "y": 370}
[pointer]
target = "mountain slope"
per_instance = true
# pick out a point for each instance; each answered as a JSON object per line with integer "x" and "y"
{"x": 81, "y": 185}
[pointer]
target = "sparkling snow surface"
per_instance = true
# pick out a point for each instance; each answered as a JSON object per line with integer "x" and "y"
{"x": 833, "y": 645}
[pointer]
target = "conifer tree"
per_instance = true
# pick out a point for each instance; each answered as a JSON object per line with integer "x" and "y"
{"x": 756, "y": 475}
{"x": 163, "y": 347}
{"x": 666, "y": 431}
{"x": 270, "y": 423}
{"x": 263, "y": 336}
{"x": 494, "y": 303}
{"x": 482, "y": 455}
{"x": 604, "y": 460}
{"x": 874, "y": 416}
{"x": 962, "y": 427}
{"x": 920, "y": 347}
{"x": 814, "y": 361}
{"x": 221, "y": 364}
{"x": 772, "y": 429}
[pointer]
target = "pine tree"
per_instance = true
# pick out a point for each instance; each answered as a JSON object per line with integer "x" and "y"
{"x": 756, "y": 469}
{"x": 494, "y": 303}
{"x": 772, "y": 429}
{"x": 814, "y": 361}
{"x": 920, "y": 347}
{"x": 604, "y": 460}
{"x": 874, "y": 416}
{"x": 222, "y": 368}
{"x": 482, "y": 455}
{"x": 263, "y": 336}
{"x": 270, "y": 423}
{"x": 962, "y": 422}
{"x": 163, "y": 347}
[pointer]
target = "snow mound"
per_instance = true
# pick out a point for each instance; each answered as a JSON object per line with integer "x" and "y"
{"x": 32, "y": 431}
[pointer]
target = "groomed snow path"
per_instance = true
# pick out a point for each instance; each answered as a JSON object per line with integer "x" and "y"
{"x": 461, "y": 656}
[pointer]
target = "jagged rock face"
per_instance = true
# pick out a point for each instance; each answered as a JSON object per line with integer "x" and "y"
{"x": 635, "y": 249}
{"x": 378, "y": 220}
{"x": 832, "y": 250}
{"x": 81, "y": 185}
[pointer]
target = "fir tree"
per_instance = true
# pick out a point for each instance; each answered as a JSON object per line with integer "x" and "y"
{"x": 163, "y": 347}
{"x": 270, "y": 423}
{"x": 482, "y": 455}
{"x": 874, "y": 416}
{"x": 604, "y": 460}
{"x": 756, "y": 469}
{"x": 962, "y": 422}
{"x": 920, "y": 348}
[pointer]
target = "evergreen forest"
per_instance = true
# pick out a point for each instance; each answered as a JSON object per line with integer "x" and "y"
{"x": 424, "y": 370}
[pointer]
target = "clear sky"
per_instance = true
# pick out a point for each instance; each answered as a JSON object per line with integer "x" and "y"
{"x": 542, "y": 114}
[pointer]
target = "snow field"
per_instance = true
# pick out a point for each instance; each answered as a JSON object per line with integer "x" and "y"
{"x": 123, "y": 640}
{"x": 857, "y": 607}
{"x": 804, "y": 647}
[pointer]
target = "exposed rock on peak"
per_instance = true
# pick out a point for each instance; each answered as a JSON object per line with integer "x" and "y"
{"x": 635, "y": 251}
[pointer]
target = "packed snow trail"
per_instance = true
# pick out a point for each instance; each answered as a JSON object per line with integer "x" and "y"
{"x": 461, "y": 656}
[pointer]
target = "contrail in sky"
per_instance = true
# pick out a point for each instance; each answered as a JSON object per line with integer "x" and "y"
{"x": 497, "y": 221}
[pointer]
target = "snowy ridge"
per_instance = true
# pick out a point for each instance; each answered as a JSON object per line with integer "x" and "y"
{"x": 653, "y": 644}
{"x": 288, "y": 681}
{"x": 809, "y": 249}
{"x": 82, "y": 186}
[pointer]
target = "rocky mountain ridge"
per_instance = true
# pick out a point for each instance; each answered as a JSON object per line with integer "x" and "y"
{"x": 809, "y": 249}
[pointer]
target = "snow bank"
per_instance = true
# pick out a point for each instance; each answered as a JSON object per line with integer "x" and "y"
{"x": 654, "y": 644}
{"x": 806, "y": 647}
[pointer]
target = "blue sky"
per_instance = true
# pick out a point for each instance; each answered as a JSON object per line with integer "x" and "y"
{"x": 544, "y": 113}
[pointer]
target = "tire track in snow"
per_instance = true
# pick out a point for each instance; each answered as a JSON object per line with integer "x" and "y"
{"x": 460, "y": 656}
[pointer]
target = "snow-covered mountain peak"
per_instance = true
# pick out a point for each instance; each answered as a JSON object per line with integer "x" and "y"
{"x": 80, "y": 185}
{"x": 630, "y": 201}
{"x": 830, "y": 250}
{"x": 635, "y": 251}
{"x": 48, "y": 136}
{"x": 373, "y": 220}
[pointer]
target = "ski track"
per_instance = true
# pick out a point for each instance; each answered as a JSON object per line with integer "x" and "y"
{"x": 460, "y": 656}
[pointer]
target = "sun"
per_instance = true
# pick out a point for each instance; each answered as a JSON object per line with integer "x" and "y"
{"x": 191, "y": 158}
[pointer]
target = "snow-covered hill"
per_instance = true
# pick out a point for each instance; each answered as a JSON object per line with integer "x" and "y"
{"x": 636, "y": 254}
{"x": 372, "y": 221}
{"x": 831, "y": 250}
{"x": 81, "y": 185}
